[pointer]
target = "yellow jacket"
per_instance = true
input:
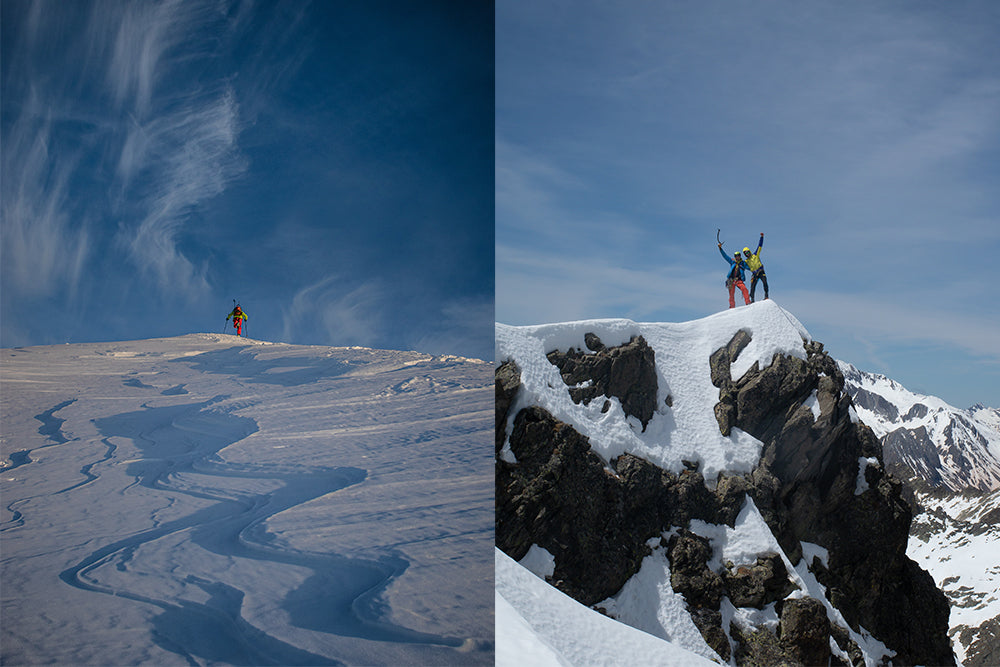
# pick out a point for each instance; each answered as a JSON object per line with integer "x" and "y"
{"x": 753, "y": 261}
{"x": 235, "y": 315}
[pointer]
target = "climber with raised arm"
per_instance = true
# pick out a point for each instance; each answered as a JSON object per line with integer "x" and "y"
{"x": 734, "y": 278}
{"x": 757, "y": 268}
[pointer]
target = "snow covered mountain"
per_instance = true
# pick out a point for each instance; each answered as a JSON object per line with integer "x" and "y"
{"x": 708, "y": 483}
{"x": 925, "y": 440}
{"x": 208, "y": 499}
{"x": 951, "y": 460}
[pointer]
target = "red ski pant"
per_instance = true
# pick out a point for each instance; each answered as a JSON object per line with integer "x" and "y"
{"x": 732, "y": 290}
{"x": 238, "y": 323}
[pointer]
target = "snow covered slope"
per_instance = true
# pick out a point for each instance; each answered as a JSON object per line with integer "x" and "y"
{"x": 957, "y": 538}
{"x": 212, "y": 499}
{"x": 925, "y": 438}
{"x": 538, "y": 625}
{"x": 688, "y": 431}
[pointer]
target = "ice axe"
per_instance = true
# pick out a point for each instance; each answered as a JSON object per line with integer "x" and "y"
{"x": 717, "y": 232}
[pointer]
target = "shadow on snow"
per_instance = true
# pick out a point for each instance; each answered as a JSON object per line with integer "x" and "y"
{"x": 338, "y": 598}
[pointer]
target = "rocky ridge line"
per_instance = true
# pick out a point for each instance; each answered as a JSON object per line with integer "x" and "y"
{"x": 596, "y": 518}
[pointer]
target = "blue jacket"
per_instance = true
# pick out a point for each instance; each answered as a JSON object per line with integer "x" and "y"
{"x": 735, "y": 268}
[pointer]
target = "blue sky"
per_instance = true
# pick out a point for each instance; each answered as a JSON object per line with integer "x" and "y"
{"x": 329, "y": 164}
{"x": 863, "y": 139}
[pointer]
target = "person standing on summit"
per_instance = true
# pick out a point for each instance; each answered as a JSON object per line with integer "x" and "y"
{"x": 238, "y": 317}
{"x": 754, "y": 264}
{"x": 734, "y": 278}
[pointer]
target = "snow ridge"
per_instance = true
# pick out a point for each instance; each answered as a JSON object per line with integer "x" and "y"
{"x": 686, "y": 431}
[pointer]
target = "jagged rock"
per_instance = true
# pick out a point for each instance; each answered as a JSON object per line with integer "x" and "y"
{"x": 804, "y": 487}
{"x": 805, "y": 631}
{"x": 596, "y": 517}
{"x": 506, "y": 381}
{"x": 844, "y": 641}
{"x": 627, "y": 372}
{"x": 719, "y": 364}
{"x": 701, "y": 587}
{"x": 709, "y": 624}
{"x": 560, "y": 496}
{"x": 725, "y": 414}
{"x": 689, "y": 573}
{"x": 983, "y": 644}
{"x": 731, "y": 496}
{"x": 760, "y": 584}
{"x": 759, "y": 648}
{"x": 593, "y": 343}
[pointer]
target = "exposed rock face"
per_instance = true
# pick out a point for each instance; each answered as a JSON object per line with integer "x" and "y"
{"x": 595, "y": 521}
{"x": 983, "y": 643}
{"x": 805, "y": 631}
{"x": 627, "y": 372}
{"x": 805, "y": 488}
{"x": 595, "y": 517}
{"x": 507, "y": 380}
{"x": 701, "y": 587}
{"x": 760, "y": 584}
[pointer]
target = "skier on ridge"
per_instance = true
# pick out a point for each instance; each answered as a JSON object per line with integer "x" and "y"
{"x": 734, "y": 278}
{"x": 754, "y": 264}
{"x": 238, "y": 317}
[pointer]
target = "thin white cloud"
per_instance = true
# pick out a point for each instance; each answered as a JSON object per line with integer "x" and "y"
{"x": 334, "y": 310}
{"x": 147, "y": 33}
{"x": 44, "y": 248}
{"x": 892, "y": 320}
{"x": 464, "y": 327}
{"x": 179, "y": 145}
{"x": 188, "y": 157}
{"x": 550, "y": 286}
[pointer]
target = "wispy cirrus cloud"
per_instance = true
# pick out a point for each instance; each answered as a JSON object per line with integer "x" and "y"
{"x": 131, "y": 126}
{"x": 184, "y": 158}
{"x": 179, "y": 146}
{"x": 333, "y": 308}
{"x": 44, "y": 248}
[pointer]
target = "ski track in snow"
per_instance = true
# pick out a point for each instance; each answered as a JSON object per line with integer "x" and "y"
{"x": 206, "y": 542}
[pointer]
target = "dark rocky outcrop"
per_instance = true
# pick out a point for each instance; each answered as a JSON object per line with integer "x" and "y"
{"x": 627, "y": 372}
{"x": 805, "y": 488}
{"x": 701, "y": 587}
{"x": 983, "y": 644}
{"x": 596, "y": 517}
{"x": 758, "y": 585}
{"x": 804, "y": 631}
{"x": 507, "y": 381}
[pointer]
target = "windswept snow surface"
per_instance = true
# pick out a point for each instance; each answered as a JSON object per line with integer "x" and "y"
{"x": 688, "y": 431}
{"x": 209, "y": 499}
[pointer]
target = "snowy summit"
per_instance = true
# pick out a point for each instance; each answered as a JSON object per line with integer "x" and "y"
{"x": 685, "y": 431}
{"x": 696, "y": 492}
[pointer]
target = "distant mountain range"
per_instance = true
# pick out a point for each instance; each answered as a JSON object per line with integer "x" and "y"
{"x": 925, "y": 441}
{"x": 950, "y": 459}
